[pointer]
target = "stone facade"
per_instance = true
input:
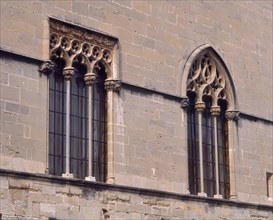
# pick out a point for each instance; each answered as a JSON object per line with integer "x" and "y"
{"x": 157, "y": 41}
{"x": 43, "y": 197}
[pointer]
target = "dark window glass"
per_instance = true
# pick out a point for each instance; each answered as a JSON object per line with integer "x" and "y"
{"x": 57, "y": 101}
{"x": 193, "y": 149}
{"x": 223, "y": 156}
{"x": 78, "y": 124}
{"x": 208, "y": 150}
{"x": 99, "y": 128}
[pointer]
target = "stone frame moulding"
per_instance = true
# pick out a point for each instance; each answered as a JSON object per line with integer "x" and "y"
{"x": 94, "y": 50}
{"x": 217, "y": 85}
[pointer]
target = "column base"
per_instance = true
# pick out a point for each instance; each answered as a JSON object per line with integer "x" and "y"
{"x": 218, "y": 196}
{"x": 90, "y": 178}
{"x": 203, "y": 194}
{"x": 233, "y": 197}
{"x": 110, "y": 180}
{"x": 67, "y": 175}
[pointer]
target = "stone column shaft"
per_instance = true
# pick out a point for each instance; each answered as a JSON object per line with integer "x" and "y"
{"x": 200, "y": 106}
{"x": 90, "y": 79}
{"x": 232, "y": 116}
{"x": 184, "y": 105}
{"x": 215, "y": 111}
{"x": 67, "y": 73}
{"x": 111, "y": 85}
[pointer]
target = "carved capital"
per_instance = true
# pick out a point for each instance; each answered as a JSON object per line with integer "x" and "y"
{"x": 215, "y": 110}
{"x": 200, "y": 106}
{"x": 232, "y": 115}
{"x": 68, "y": 72}
{"x": 90, "y": 78}
{"x": 184, "y": 103}
{"x": 46, "y": 67}
{"x": 112, "y": 85}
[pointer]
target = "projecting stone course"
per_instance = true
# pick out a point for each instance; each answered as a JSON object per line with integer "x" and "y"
{"x": 41, "y": 197}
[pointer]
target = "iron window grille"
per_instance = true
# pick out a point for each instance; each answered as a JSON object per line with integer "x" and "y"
{"x": 210, "y": 100}
{"x": 78, "y": 124}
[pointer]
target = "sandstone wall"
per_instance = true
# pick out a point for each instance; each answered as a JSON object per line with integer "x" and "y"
{"x": 40, "y": 197}
{"x": 156, "y": 38}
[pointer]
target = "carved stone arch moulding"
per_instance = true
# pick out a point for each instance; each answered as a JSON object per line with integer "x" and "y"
{"x": 74, "y": 44}
{"x": 205, "y": 74}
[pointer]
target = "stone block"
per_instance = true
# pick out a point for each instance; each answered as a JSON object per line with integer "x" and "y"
{"x": 47, "y": 210}
{"x": 75, "y": 190}
{"x": 17, "y": 108}
{"x": 32, "y": 85}
{"x": 19, "y": 194}
{"x": 142, "y": 209}
{"x": 37, "y": 197}
{"x": 7, "y": 207}
{"x": 49, "y": 189}
{"x": 177, "y": 212}
{"x": 32, "y": 166}
{"x": 20, "y": 207}
{"x": 139, "y": 61}
{"x": 143, "y": 7}
{"x": 62, "y": 190}
{"x": 36, "y": 210}
{"x": 10, "y": 93}
{"x": 17, "y": 81}
{"x": 13, "y": 128}
{"x": 91, "y": 212}
{"x": 27, "y": 133}
{"x": 5, "y": 162}
{"x": 66, "y": 5}
{"x": 239, "y": 212}
{"x": 126, "y": 3}
{"x": 144, "y": 41}
{"x": 8, "y": 117}
{"x": 4, "y": 183}
{"x": 55, "y": 199}
{"x": 80, "y": 7}
{"x": 120, "y": 207}
{"x": 4, "y": 79}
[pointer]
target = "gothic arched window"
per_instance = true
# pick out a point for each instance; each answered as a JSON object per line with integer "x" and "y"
{"x": 81, "y": 86}
{"x": 208, "y": 91}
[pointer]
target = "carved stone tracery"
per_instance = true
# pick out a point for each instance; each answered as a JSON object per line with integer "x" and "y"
{"x": 75, "y": 45}
{"x": 207, "y": 79}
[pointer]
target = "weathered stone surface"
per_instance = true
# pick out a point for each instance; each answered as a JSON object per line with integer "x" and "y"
{"x": 34, "y": 199}
{"x": 156, "y": 39}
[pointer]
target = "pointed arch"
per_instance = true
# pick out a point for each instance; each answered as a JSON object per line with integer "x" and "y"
{"x": 199, "y": 51}
{"x": 208, "y": 84}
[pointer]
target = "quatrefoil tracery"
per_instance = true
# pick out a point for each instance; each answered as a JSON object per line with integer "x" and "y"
{"x": 207, "y": 79}
{"x": 81, "y": 49}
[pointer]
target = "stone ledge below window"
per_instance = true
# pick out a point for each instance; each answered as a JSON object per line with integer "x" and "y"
{"x": 129, "y": 189}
